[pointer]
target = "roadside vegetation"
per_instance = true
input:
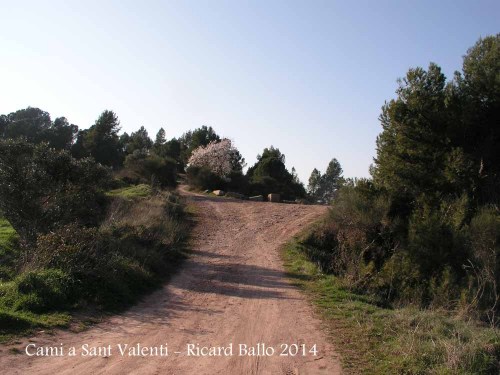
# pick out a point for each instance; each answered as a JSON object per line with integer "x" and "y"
{"x": 373, "y": 338}
{"x": 132, "y": 251}
{"x": 407, "y": 263}
{"x": 78, "y": 234}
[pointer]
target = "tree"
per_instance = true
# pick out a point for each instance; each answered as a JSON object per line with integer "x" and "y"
{"x": 172, "y": 149}
{"x": 474, "y": 98}
{"x": 30, "y": 123}
{"x": 138, "y": 140}
{"x": 271, "y": 164}
{"x": 324, "y": 187}
{"x": 42, "y": 188}
{"x": 295, "y": 176}
{"x": 331, "y": 180}
{"x": 411, "y": 150}
{"x": 101, "y": 141}
{"x": 314, "y": 185}
{"x": 269, "y": 175}
{"x": 35, "y": 125}
{"x": 61, "y": 134}
{"x": 221, "y": 158}
{"x": 191, "y": 140}
{"x": 160, "y": 138}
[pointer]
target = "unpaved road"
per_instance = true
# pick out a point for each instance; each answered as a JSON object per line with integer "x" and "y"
{"x": 232, "y": 290}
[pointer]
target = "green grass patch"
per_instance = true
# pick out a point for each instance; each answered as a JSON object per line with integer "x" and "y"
{"x": 7, "y": 234}
{"x": 135, "y": 191}
{"x": 15, "y": 323}
{"x": 9, "y": 250}
{"x": 376, "y": 340}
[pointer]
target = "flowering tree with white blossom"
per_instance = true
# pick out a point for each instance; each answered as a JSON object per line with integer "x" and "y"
{"x": 221, "y": 157}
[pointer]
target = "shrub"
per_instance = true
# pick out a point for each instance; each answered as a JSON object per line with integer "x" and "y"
{"x": 484, "y": 267}
{"x": 42, "y": 188}
{"x": 137, "y": 245}
{"x": 38, "y": 291}
{"x": 203, "y": 178}
{"x": 355, "y": 234}
{"x": 151, "y": 167}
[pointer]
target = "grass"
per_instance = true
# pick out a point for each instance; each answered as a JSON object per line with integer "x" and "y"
{"x": 7, "y": 234}
{"x": 135, "y": 191}
{"x": 14, "y": 323}
{"x": 376, "y": 340}
{"x": 17, "y": 323}
{"x": 8, "y": 249}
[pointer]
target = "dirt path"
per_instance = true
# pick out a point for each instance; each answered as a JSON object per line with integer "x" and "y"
{"x": 232, "y": 290}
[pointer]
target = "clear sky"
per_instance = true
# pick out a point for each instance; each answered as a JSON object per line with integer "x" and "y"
{"x": 306, "y": 76}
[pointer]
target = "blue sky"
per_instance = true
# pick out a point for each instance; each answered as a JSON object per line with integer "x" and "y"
{"x": 306, "y": 76}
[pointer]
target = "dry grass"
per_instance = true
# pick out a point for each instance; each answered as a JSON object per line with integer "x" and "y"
{"x": 377, "y": 340}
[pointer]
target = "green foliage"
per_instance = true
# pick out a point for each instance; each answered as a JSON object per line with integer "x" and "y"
{"x": 35, "y": 125}
{"x": 440, "y": 139}
{"x": 355, "y": 233}
{"x": 138, "y": 141}
{"x": 160, "y": 138}
{"x": 322, "y": 188}
{"x": 135, "y": 191}
{"x": 110, "y": 266}
{"x": 101, "y": 141}
{"x": 16, "y": 322}
{"x": 442, "y": 256}
{"x": 37, "y": 291}
{"x": 411, "y": 150}
{"x": 484, "y": 269}
{"x": 203, "y": 178}
{"x": 152, "y": 168}
{"x": 41, "y": 188}
{"x": 426, "y": 230}
{"x": 67, "y": 257}
{"x": 374, "y": 339}
{"x": 269, "y": 175}
{"x": 191, "y": 140}
{"x": 7, "y": 234}
{"x": 314, "y": 183}
{"x": 9, "y": 250}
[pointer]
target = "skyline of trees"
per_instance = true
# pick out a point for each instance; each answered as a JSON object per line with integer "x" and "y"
{"x": 103, "y": 140}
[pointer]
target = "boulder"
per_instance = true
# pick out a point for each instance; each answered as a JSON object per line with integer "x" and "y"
{"x": 257, "y": 198}
{"x": 274, "y": 198}
{"x": 219, "y": 193}
{"x": 232, "y": 194}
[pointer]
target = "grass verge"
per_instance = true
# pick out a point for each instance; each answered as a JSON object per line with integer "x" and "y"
{"x": 377, "y": 340}
{"x": 134, "y": 191}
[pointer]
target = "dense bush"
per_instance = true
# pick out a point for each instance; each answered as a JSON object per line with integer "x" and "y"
{"x": 203, "y": 178}
{"x": 137, "y": 245}
{"x": 141, "y": 166}
{"x": 435, "y": 258}
{"x": 269, "y": 175}
{"x": 42, "y": 188}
